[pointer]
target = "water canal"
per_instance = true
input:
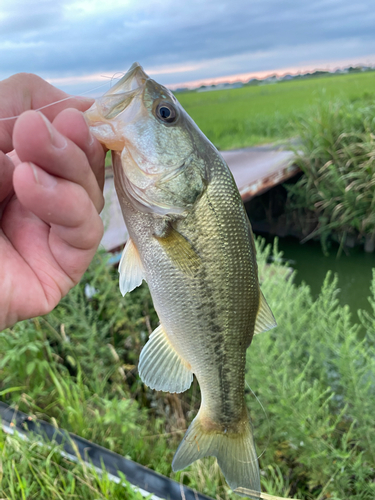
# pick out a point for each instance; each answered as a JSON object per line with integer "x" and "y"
{"x": 353, "y": 268}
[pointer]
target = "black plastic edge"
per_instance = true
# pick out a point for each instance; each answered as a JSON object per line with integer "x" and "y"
{"x": 136, "y": 474}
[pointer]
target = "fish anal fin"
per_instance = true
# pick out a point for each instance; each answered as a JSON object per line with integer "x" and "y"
{"x": 234, "y": 449}
{"x": 180, "y": 251}
{"x": 265, "y": 320}
{"x": 161, "y": 367}
{"x": 130, "y": 268}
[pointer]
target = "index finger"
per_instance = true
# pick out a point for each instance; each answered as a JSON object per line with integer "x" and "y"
{"x": 25, "y": 91}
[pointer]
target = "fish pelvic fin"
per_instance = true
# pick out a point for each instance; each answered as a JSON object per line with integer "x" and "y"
{"x": 161, "y": 367}
{"x": 233, "y": 447}
{"x": 130, "y": 268}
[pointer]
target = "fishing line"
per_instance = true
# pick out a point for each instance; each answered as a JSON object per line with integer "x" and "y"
{"x": 57, "y": 102}
{"x": 265, "y": 413}
{"x": 114, "y": 77}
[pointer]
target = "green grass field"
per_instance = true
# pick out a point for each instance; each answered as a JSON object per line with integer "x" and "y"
{"x": 265, "y": 113}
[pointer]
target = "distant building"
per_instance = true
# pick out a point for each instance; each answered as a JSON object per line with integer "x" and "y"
{"x": 253, "y": 81}
{"x": 275, "y": 79}
{"x": 287, "y": 77}
{"x": 270, "y": 79}
{"x": 220, "y": 86}
{"x": 355, "y": 69}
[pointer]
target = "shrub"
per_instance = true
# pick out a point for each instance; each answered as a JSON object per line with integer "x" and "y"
{"x": 314, "y": 375}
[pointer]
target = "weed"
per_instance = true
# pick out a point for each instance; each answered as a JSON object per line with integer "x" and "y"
{"x": 31, "y": 470}
{"x": 313, "y": 374}
{"x": 337, "y": 156}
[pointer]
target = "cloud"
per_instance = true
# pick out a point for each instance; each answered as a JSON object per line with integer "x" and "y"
{"x": 188, "y": 40}
{"x": 21, "y": 18}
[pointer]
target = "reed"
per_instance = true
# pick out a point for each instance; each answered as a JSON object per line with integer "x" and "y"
{"x": 337, "y": 156}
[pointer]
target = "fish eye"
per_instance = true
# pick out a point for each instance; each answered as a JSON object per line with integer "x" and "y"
{"x": 166, "y": 112}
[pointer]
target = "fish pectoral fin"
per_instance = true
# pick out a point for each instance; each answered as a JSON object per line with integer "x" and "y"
{"x": 130, "y": 268}
{"x": 161, "y": 367}
{"x": 265, "y": 320}
{"x": 180, "y": 251}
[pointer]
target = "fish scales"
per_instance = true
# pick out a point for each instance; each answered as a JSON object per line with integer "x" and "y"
{"x": 191, "y": 240}
{"x": 220, "y": 303}
{"x": 226, "y": 321}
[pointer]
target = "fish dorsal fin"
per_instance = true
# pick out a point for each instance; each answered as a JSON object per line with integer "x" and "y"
{"x": 180, "y": 251}
{"x": 130, "y": 268}
{"x": 265, "y": 320}
{"x": 161, "y": 367}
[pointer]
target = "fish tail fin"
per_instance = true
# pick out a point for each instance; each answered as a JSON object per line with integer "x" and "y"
{"x": 233, "y": 447}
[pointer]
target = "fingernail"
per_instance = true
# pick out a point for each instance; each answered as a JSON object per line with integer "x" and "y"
{"x": 42, "y": 178}
{"x": 57, "y": 139}
{"x": 90, "y": 138}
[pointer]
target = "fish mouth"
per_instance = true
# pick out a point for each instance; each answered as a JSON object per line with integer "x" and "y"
{"x": 133, "y": 79}
{"x": 120, "y": 96}
{"x": 131, "y": 88}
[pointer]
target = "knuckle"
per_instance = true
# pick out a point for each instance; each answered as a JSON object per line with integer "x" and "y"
{"x": 27, "y": 81}
{"x": 85, "y": 211}
{"x": 92, "y": 234}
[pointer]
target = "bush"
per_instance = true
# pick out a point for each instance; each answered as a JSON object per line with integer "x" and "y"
{"x": 314, "y": 375}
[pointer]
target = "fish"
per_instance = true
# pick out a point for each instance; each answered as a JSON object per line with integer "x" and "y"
{"x": 190, "y": 239}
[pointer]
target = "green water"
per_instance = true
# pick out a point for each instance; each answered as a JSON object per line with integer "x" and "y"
{"x": 354, "y": 270}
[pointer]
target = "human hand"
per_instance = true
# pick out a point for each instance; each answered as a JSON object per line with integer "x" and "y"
{"x": 51, "y": 182}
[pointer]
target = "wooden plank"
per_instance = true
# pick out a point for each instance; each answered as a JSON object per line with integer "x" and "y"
{"x": 115, "y": 232}
{"x": 258, "y": 169}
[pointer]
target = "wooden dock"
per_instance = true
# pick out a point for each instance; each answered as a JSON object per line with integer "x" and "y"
{"x": 255, "y": 171}
{"x": 258, "y": 169}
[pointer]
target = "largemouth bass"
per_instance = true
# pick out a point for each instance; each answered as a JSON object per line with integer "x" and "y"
{"x": 191, "y": 240}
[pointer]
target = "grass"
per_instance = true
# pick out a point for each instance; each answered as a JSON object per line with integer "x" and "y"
{"x": 333, "y": 117}
{"x": 76, "y": 368}
{"x": 317, "y": 381}
{"x": 337, "y": 156}
{"x": 314, "y": 374}
{"x": 266, "y": 113}
{"x": 30, "y": 470}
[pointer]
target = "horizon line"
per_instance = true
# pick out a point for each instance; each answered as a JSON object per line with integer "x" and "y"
{"x": 279, "y": 72}
{"x": 301, "y": 69}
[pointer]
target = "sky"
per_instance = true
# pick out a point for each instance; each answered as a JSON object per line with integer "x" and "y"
{"x": 79, "y": 45}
